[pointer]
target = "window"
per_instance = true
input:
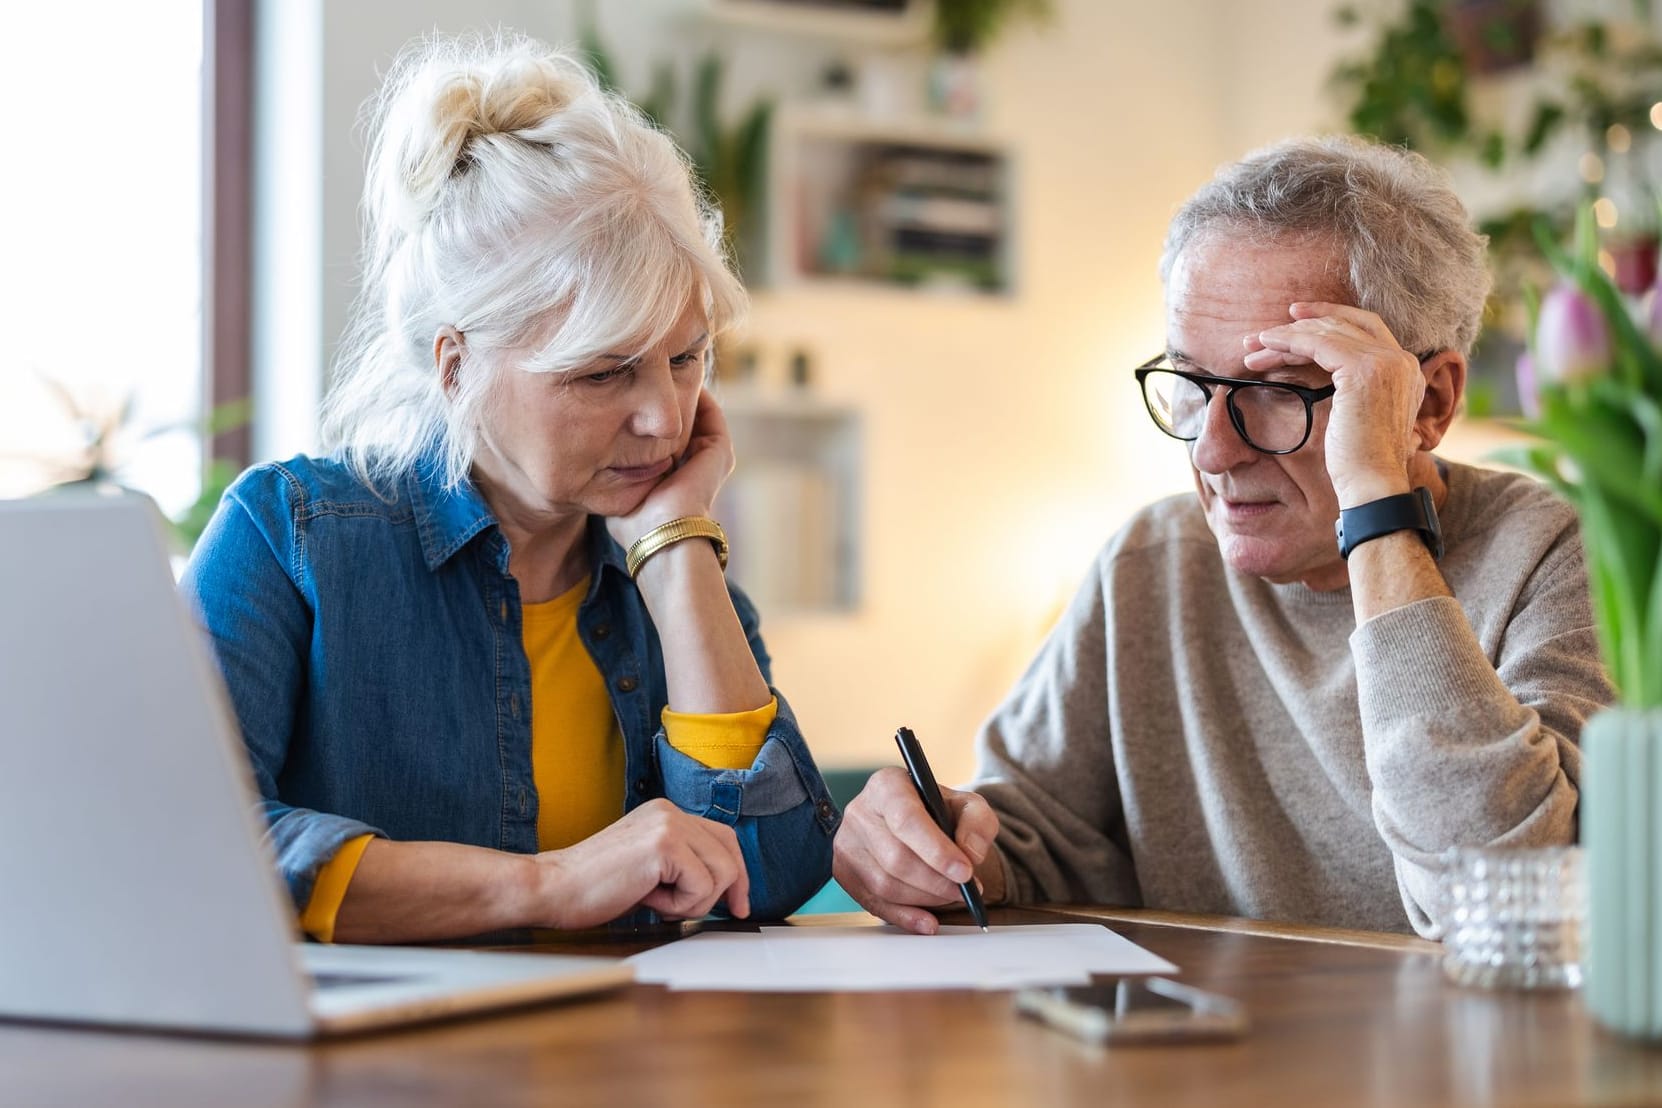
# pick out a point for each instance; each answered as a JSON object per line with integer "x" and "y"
{"x": 101, "y": 283}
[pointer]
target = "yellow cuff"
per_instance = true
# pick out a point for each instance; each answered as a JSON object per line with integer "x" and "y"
{"x": 725, "y": 740}
{"x": 318, "y": 920}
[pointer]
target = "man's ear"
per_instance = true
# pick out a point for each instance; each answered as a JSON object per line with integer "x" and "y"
{"x": 1445, "y": 387}
{"x": 448, "y": 345}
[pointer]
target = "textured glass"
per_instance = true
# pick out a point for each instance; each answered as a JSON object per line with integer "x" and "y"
{"x": 1515, "y": 918}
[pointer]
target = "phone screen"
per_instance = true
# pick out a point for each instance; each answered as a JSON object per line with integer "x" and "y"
{"x": 1141, "y": 1009}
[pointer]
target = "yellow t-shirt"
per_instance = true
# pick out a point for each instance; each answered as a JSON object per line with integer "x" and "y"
{"x": 577, "y": 752}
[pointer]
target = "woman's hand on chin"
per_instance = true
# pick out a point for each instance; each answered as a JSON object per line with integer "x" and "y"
{"x": 690, "y": 488}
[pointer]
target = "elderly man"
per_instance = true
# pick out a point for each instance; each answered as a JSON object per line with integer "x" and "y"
{"x": 1238, "y": 713}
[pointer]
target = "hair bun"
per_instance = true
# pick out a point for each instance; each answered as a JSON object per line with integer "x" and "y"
{"x": 445, "y": 98}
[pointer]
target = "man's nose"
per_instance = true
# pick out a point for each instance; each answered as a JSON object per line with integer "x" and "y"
{"x": 1219, "y": 447}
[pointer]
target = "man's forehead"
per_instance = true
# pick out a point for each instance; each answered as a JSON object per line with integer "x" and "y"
{"x": 1245, "y": 267}
{"x": 1223, "y": 288}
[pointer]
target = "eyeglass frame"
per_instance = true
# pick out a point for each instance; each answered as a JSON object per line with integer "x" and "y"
{"x": 1310, "y": 396}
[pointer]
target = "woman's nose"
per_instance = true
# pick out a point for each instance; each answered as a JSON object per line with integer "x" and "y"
{"x": 658, "y": 405}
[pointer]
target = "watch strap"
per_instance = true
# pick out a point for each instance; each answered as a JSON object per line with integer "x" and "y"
{"x": 1408, "y": 511}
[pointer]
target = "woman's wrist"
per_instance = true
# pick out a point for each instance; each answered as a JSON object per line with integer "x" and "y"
{"x": 628, "y": 530}
{"x": 666, "y": 536}
{"x": 537, "y": 891}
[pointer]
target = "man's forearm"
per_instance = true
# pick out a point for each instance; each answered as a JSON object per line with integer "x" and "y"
{"x": 1392, "y": 572}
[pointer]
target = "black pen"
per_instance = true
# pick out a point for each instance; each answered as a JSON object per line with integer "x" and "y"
{"x": 923, "y": 780}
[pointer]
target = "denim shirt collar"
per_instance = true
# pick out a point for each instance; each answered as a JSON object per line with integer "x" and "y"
{"x": 448, "y": 519}
{"x": 445, "y": 518}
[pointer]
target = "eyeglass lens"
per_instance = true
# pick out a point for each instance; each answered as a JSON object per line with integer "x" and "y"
{"x": 1268, "y": 417}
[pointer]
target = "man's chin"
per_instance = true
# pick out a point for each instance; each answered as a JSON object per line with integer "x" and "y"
{"x": 1253, "y": 557}
{"x": 1278, "y": 566}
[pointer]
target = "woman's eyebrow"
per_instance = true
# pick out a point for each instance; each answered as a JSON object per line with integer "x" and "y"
{"x": 694, "y": 344}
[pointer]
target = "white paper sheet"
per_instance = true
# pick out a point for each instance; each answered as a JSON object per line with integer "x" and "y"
{"x": 863, "y": 959}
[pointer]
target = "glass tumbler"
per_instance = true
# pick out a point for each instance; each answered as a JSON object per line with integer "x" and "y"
{"x": 1515, "y": 917}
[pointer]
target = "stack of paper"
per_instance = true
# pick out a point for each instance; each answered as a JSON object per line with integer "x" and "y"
{"x": 860, "y": 959}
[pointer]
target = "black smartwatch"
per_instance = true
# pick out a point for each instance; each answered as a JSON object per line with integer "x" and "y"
{"x": 1409, "y": 511}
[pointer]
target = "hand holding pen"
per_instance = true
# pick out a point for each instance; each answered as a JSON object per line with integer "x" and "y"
{"x": 892, "y": 857}
{"x": 923, "y": 779}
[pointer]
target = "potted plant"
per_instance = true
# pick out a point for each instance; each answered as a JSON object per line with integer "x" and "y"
{"x": 731, "y": 160}
{"x": 962, "y": 29}
{"x": 1592, "y": 380}
{"x": 1592, "y": 86}
{"x": 103, "y": 435}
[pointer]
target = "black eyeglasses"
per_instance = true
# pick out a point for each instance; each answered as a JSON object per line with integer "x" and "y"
{"x": 1270, "y": 416}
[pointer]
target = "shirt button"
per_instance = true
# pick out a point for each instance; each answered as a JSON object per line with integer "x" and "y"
{"x": 824, "y": 809}
{"x": 640, "y": 785}
{"x": 602, "y": 630}
{"x": 627, "y": 684}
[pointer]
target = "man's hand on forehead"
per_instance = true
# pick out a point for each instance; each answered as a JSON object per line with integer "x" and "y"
{"x": 1330, "y": 335}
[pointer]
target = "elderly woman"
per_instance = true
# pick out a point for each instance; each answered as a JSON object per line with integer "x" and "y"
{"x": 484, "y": 657}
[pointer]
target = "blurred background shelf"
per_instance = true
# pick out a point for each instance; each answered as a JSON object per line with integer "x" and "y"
{"x": 791, "y": 507}
{"x": 901, "y": 203}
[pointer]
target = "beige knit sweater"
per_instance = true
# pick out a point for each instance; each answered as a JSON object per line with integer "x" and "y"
{"x": 1193, "y": 739}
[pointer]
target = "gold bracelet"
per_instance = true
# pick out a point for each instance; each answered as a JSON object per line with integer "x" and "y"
{"x": 676, "y": 530}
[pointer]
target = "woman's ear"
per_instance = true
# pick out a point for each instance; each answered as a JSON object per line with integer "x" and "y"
{"x": 448, "y": 345}
{"x": 1445, "y": 386}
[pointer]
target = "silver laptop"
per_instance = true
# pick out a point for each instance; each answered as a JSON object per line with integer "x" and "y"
{"x": 135, "y": 886}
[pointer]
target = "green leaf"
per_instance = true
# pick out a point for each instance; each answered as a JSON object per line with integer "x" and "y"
{"x": 1546, "y": 240}
{"x": 1605, "y": 444}
{"x": 1586, "y": 251}
{"x": 1612, "y": 556}
{"x": 706, "y": 124}
{"x": 662, "y": 95}
{"x": 1647, "y": 412}
{"x": 1650, "y": 694}
{"x": 229, "y": 416}
{"x": 1492, "y": 150}
{"x": 1548, "y": 116}
{"x": 189, "y": 524}
{"x": 599, "y": 60}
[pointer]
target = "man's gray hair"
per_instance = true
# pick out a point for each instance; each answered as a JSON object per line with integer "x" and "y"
{"x": 1404, "y": 237}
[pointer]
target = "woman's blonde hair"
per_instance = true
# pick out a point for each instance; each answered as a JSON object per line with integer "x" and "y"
{"x": 510, "y": 197}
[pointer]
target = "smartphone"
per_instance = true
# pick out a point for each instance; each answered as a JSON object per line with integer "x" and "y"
{"x": 1135, "y": 1010}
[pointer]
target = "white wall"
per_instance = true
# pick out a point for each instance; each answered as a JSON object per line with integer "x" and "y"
{"x": 1005, "y": 439}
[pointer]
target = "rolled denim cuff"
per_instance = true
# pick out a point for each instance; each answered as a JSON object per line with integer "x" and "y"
{"x": 304, "y": 841}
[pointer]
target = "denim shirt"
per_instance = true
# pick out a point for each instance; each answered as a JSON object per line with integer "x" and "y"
{"x": 371, "y": 645}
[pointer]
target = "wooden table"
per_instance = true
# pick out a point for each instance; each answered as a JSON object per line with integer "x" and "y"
{"x": 1337, "y": 1018}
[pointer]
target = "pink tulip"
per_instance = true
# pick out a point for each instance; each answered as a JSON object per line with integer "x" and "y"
{"x": 1572, "y": 339}
{"x": 1528, "y": 399}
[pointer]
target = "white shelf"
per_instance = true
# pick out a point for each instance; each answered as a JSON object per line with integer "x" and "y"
{"x": 848, "y": 123}
{"x": 846, "y": 23}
